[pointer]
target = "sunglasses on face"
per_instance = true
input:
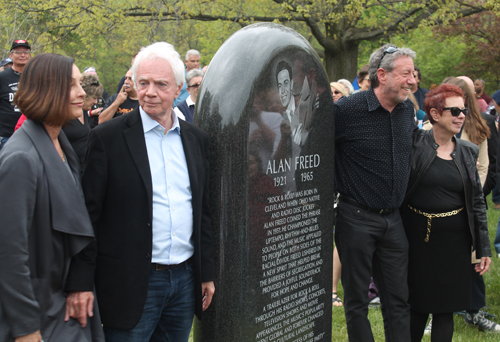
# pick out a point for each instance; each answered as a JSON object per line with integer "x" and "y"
{"x": 389, "y": 50}
{"x": 455, "y": 111}
{"x": 336, "y": 92}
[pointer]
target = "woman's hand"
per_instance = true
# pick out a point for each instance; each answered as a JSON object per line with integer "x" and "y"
{"x": 33, "y": 337}
{"x": 484, "y": 265}
{"x": 80, "y": 305}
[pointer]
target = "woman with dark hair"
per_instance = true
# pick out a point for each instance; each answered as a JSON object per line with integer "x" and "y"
{"x": 444, "y": 217}
{"x": 46, "y": 274}
{"x": 77, "y": 131}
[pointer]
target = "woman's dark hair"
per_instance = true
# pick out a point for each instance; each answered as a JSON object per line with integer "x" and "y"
{"x": 44, "y": 87}
{"x": 436, "y": 98}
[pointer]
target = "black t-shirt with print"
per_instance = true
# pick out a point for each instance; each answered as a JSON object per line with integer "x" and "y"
{"x": 9, "y": 113}
{"x": 126, "y": 107}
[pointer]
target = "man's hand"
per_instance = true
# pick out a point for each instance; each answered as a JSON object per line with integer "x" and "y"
{"x": 483, "y": 266}
{"x": 79, "y": 305}
{"x": 207, "y": 291}
{"x": 33, "y": 337}
{"x": 121, "y": 96}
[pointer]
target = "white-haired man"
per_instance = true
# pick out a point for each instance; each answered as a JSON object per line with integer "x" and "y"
{"x": 146, "y": 188}
{"x": 192, "y": 62}
{"x": 373, "y": 142}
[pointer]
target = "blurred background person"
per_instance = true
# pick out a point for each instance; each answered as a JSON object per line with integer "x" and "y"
{"x": 347, "y": 85}
{"x": 77, "y": 130}
{"x": 121, "y": 103}
{"x": 185, "y": 109}
{"x": 192, "y": 62}
{"x": 479, "y": 85}
{"x": 444, "y": 215}
{"x": 5, "y": 64}
{"x": 20, "y": 53}
{"x": 46, "y": 281}
{"x": 363, "y": 78}
{"x": 475, "y": 128}
{"x": 338, "y": 91}
{"x": 419, "y": 113}
{"x": 418, "y": 92}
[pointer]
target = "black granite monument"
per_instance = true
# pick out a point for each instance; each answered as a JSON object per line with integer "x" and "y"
{"x": 266, "y": 103}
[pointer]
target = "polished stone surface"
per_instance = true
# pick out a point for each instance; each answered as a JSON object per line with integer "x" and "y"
{"x": 266, "y": 103}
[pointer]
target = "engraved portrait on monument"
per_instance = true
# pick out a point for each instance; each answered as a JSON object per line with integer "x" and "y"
{"x": 272, "y": 136}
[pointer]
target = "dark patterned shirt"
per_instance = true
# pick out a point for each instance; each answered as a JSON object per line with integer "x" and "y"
{"x": 373, "y": 150}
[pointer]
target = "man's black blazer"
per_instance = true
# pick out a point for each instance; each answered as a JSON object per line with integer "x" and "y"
{"x": 118, "y": 191}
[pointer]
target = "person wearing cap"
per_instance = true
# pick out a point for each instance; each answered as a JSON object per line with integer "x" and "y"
{"x": 20, "y": 53}
{"x": 6, "y": 63}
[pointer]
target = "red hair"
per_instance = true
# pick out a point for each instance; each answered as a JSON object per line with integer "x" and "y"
{"x": 436, "y": 98}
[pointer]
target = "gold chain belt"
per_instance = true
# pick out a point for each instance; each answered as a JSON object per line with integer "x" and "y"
{"x": 431, "y": 216}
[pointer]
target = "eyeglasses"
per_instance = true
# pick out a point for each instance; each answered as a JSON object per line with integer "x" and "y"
{"x": 455, "y": 111}
{"x": 336, "y": 92}
{"x": 195, "y": 85}
{"x": 391, "y": 50}
{"x": 17, "y": 52}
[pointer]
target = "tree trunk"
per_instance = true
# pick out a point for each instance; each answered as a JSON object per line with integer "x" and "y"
{"x": 342, "y": 62}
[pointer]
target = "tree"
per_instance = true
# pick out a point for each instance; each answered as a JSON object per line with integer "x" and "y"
{"x": 479, "y": 34}
{"x": 338, "y": 26}
{"x": 335, "y": 27}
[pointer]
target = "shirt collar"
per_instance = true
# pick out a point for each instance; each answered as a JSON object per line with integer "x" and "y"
{"x": 374, "y": 103}
{"x": 189, "y": 101}
{"x": 148, "y": 123}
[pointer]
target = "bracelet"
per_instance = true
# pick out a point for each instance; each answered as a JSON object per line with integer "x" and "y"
{"x": 90, "y": 112}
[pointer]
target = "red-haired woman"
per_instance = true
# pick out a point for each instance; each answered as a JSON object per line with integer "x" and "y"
{"x": 444, "y": 216}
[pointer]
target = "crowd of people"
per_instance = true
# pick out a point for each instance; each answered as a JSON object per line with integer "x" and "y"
{"x": 412, "y": 202}
{"x": 132, "y": 233}
{"x": 105, "y": 222}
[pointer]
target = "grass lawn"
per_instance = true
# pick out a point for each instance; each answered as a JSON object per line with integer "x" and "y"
{"x": 463, "y": 332}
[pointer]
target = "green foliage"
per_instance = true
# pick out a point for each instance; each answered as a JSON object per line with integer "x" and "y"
{"x": 436, "y": 59}
{"x": 109, "y": 32}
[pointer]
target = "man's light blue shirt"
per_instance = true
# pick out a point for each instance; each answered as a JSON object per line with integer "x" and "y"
{"x": 172, "y": 196}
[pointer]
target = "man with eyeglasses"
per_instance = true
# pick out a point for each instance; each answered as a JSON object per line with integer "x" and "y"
{"x": 122, "y": 103}
{"x": 373, "y": 142}
{"x": 20, "y": 53}
{"x": 192, "y": 62}
{"x": 185, "y": 109}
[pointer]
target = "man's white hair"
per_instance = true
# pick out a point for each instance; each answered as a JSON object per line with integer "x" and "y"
{"x": 161, "y": 51}
{"x": 192, "y": 52}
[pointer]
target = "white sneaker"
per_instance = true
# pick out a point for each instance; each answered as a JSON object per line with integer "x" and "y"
{"x": 481, "y": 322}
{"x": 428, "y": 328}
{"x": 374, "y": 303}
{"x": 499, "y": 255}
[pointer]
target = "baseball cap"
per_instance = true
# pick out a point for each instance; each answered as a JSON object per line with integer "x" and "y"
{"x": 20, "y": 42}
{"x": 5, "y": 61}
{"x": 90, "y": 70}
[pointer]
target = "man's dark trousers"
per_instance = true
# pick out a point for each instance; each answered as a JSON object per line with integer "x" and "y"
{"x": 374, "y": 244}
